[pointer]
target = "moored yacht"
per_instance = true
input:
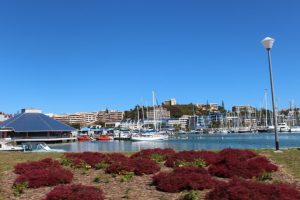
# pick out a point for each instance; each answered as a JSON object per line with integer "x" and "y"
{"x": 7, "y": 145}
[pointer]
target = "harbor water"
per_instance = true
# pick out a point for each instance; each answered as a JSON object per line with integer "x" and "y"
{"x": 188, "y": 142}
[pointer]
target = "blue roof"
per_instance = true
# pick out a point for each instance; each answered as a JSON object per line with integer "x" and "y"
{"x": 34, "y": 122}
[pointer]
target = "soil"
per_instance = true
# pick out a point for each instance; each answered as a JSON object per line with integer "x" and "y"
{"x": 137, "y": 188}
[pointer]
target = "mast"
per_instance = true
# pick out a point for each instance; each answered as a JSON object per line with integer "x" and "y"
{"x": 154, "y": 113}
{"x": 266, "y": 102}
{"x": 138, "y": 115}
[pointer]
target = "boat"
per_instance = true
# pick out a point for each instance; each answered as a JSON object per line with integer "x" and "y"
{"x": 122, "y": 135}
{"x": 149, "y": 137}
{"x": 283, "y": 127}
{"x": 244, "y": 130}
{"x": 295, "y": 129}
{"x": 38, "y": 147}
{"x": 84, "y": 138}
{"x": 263, "y": 129}
{"x": 104, "y": 138}
{"x": 8, "y": 145}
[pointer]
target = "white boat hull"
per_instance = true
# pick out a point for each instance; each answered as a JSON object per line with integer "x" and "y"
{"x": 149, "y": 138}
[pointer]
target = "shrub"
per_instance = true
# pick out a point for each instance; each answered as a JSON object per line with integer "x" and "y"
{"x": 45, "y": 177}
{"x": 238, "y": 189}
{"x": 241, "y": 163}
{"x": 90, "y": 158}
{"x": 191, "y": 156}
{"x": 236, "y": 154}
{"x": 101, "y": 165}
{"x": 115, "y": 157}
{"x": 22, "y": 168}
{"x": 184, "y": 178}
{"x": 103, "y": 178}
{"x": 139, "y": 166}
{"x": 156, "y": 154}
{"x": 75, "y": 192}
{"x": 127, "y": 176}
{"x": 191, "y": 195}
{"x": 19, "y": 188}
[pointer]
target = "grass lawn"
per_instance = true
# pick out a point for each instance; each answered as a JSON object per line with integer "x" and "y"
{"x": 289, "y": 159}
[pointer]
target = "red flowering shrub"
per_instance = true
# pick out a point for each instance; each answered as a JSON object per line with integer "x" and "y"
{"x": 139, "y": 166}
{"x": 75, "y": 192}
{"x": 241, "y": 163}
{"x": 184, "y": 178}
{"x": 238, "y": 189}
{"x": 156, "y": 154}
{"x": 208, "y": 157}
{"x": 22, "y": 168}
{"x": 45, "y": 177}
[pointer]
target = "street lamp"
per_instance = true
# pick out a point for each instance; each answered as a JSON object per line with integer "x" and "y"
{"x": 268, "y": 44}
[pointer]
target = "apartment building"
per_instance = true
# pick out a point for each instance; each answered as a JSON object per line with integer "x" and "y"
{"x": 110, "y": 116}
{"x": 160, "y": 113}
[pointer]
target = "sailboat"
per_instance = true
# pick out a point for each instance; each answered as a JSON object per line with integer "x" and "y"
{"x": 150, "y": 135}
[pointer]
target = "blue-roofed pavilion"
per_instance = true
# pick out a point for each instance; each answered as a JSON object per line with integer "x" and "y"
{"x": 32, "y": 125}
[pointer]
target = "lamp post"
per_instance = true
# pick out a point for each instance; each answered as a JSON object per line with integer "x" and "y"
{"x": 268, "y": 44}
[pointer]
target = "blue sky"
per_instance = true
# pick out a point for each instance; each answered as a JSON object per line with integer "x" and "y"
{"x": 68, "y": 56}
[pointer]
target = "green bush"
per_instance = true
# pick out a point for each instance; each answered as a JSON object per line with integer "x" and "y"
{"x": 101, "y": 165}
{"x": 191, "y": 195}
{"x": 195, "y": 163}
{"x": 19, "y": 188}
{"x": 127, "y": 176}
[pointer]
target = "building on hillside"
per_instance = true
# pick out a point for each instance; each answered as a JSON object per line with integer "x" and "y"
{"x": 110, "y": 116}
{"x": 170, "y": 102}
{"x": 131, "y": 124}
{"x": 173, "y": 122}
{"x": 208, "y": 107}
{"x": 32, "y": 125}
{"x": 243, "y": 108}
{"x": 62, "y": 118}
{"x": 184, "y": 121}
{"x": 160, "y": 113}
{"x": 88, "y": 118}
{"x": 4, "y": 116}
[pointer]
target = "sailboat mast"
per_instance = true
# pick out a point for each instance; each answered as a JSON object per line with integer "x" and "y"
{"x": 154, "y": 113}
{"x": 138, "y": 115}
{"x": 266, "y": 102}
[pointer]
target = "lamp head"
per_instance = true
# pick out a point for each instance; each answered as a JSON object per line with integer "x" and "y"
{"x": 268, "y": 42}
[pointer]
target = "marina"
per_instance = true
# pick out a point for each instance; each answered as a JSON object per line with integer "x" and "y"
{"x": 188, "y": 142}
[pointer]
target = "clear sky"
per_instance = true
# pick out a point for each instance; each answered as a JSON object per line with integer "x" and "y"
{"x": 66, "y": 56}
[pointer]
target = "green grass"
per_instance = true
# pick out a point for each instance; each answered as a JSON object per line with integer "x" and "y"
{"x": 289, "y": 159}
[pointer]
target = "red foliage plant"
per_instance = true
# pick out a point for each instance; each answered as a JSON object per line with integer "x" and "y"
{"x": 45, "y": 177}
{"x": 139, "y": 166}
{"x": 189, "y": 156}
{"x": 93, "y": 158}
{"x": 184, "y": 178}
{"x": 90, "y": 158}
{"x": 147, "y": 153}
{"x": 238, "y": 189}
{"x": 22, "y": 168}
{"x": 75, "y": 192}
{"x": 241, "y": 163}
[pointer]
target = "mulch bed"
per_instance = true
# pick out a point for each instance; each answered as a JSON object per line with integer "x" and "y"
{"x": 138, "y": 188}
